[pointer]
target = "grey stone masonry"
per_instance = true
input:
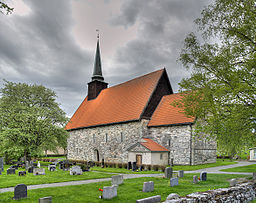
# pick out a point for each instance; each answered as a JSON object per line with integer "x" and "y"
{"x": 1, "y": 164}
{"x": 172, "y": 196}
{"x": 174, "y": 182}
{"x": 181, "y": 174}
{"x": 203, "y": 176}
{"x": 45, "y": 200}
{"x": 109, "y": 192}
{"x": 233, "y": 182}
{"x": 153, "y": 199}
{"x": 168, "y": 172}
{"x": 20, "y": 191}
{"x": 117, "y": 179}
{"x": 195, "y": 179}
{"x": 148, "y": 186}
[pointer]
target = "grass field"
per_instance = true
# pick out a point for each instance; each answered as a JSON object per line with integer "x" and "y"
{"x": 249, "y": 169}
{"x": 130, "y": 191}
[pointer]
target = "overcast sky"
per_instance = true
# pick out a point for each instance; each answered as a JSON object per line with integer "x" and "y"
{"x": 53, "y": 42}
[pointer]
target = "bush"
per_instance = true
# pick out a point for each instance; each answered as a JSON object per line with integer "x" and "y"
{"x": 148, "y": 167}
{"x": 119, "y": 165}
{"x": 156, "y": 167}
{"x": 124, "y": 165}
{"x": 162, "y": 168}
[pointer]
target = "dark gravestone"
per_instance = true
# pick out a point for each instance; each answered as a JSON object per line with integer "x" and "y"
{"x": 102, "y": 163}
{"x": 168, "y": 172}
{"x": 10, "y": 171}
{"x": 141, "y": 168}
{"x": 174, "y": 182}
{"x": 129, "y": 165}
{"x": 30, "y": 169}
{"x": 45, "y": 200}
{"x": 0, "y": 172}
{"x": 22, "y": 173}
{"x": 134, "y": 167}
{"x": 20, "y": 191}
{"x": 203, "y": 176}
{"x": 1, "y": 164}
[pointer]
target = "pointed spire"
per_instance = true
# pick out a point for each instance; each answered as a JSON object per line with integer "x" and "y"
{"x": 97, "y": 72}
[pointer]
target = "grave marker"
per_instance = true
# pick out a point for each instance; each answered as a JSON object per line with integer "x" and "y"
{"x": 174, "y": 182}
{"x": 203, "y": 176}
{"x": 39, "y": 171}
{"x": 1, "y": 164}
{"x": 22, "y": 173}
{"x": 30, "y": 169}
{"x": 20, "y": 191}
{"x": 168, "y": 172}
{"x": 195, "y": 179}
{"x": 76, "y": 170}
{"x": 148, "y": 186}
{"x": 45, "y": 200}
{"x": 129, "y": 165}
{"x": 109, "y": 192}
{"x": 134, "y": 167}
{"x": 117, "y": 180}
{"x": 181, "y": 174}
{"x": 11, "y": 171}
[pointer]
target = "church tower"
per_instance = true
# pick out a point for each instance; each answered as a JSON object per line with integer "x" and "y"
{"x": 97, "y": 84}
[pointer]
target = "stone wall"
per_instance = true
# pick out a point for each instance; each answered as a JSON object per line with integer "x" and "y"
{"x": 245, "y": 192}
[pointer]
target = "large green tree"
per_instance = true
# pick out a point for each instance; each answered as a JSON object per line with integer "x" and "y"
{"x": 5, "y": 9}
{"x": 31, "y": 121}
{"x": 221, "y": 91}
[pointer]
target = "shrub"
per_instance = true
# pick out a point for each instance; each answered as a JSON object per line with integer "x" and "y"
{"x": 162, "y": 168}
{"x": 156, "y": 167}
{"x": 124, "y": 165}
{"x": 119, "y": 165}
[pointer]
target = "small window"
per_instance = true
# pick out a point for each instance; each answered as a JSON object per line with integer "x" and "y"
{"x": 169, "y": 142}
{"x": 122, "y": 137}
{"x": 93, "y": 138}
{"x": 106, "y": 137}
{"x": 161, "y": 156}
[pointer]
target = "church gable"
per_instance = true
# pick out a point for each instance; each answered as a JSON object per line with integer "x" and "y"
{"x": 138, "y": 148}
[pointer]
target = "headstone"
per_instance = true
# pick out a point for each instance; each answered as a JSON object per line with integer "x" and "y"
{"x": 174, "y": 182}
{"x": 181, "y": 174}
{"x": 76, "y": 170}
{"x": 153, "y": 199}
{"x": 0, "y": 172}
{"x": 195, "y": 179}
{"x": 39, "y": 171}
{"x": 172, "y": 196}
{"x": 30, "y": 169}
{"x": 148, "y": 186}
{"x": 203, "y": 176}
{"x": 117, "y": 180}
{"x": 102, "y": 163}
{"x": 1, "y": 164}
{"x": 22, "y": 173}
{"x": 52, "y": 167}
{"x": 20, "y": 191}
{"x": 129, "y": 165}
{"x": 168, "y": 172}
{"x": 38, "y": 164}
{"x": 134, "y": 167}
{"x": 141, "y": 168}
{"x": 109, "y": 192}
{"x": 233, "y": 182}
{"x": 45, "y": 200}
{"x": 11, "y": 171}
{"x": 254, "y": 175}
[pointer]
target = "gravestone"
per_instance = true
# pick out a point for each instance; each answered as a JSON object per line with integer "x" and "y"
{"x": 20, "y": 191}
{"x": 102, "y": 163}
{"x": 11, "y": 171}
{"x": 174, "y": 182}
{"x": 168, "y": 172}
{"x": 109, "y": 192}
{"x": 39, "y": 171}
{"x": 203, "y": 176}
{"x": 30, "y": 169}
{"x": 134, "y": 167}
{"x": 1, "y": 164}
{"x": 76, "y": 170}
{"x": 181, "y": 174}
{"x": 22, "y": 173}
{"x": 195, "y": 179}
{"x": 52, "y": 167}
{"x": 254, "y": 175}
{"x": 148, "y": 186}
{"x": 153, "y": 199}
{"x": 129, "y": 165}
{"x": 233, "y": 182}
{"x": 0, "y": 172}
{"x": 141, "y": 168}
{"x": 117, "y": 180}
{"x": 45, "y": 200}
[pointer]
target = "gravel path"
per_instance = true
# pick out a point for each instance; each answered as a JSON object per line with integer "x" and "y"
{"x": 129, "y": 176}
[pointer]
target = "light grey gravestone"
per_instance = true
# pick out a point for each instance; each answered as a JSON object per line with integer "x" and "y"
{"x": 11, "y": 171}
{"x": 45, "y": 200}
{"x": 109, "y": 192}
{"x": 1, "y": 164}
{"x": 39, "y": 171}
{"x": 203, "y": 176}
{"x": 153, "y": 199}
{"x": 233, "y": 182}
{"x": 174, "y": 182}
{"x": 117, "y": 179}
{"x": 195, "y": 179}
{"x": 181, "y": 174}
{"x": 254, "y": 175}
{"x": 76, "y": 170}
{"x": 168, "y": 172}
{"x": 148, "y": 186}
{"x": 20, "y": 191}
{"x": 52, "y": 167}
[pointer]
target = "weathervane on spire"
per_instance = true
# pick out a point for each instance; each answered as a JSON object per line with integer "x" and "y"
{"x": 98, "y": 33}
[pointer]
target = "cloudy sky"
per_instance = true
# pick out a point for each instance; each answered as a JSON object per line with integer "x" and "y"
{"x": 52, "y": 42}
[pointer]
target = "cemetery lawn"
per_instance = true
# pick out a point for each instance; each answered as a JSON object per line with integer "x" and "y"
{"x": 128, "y": 192}
{"x": 121, "y": 170}
{"x": 50, "y": 177}
{"x": 249, "y": 169}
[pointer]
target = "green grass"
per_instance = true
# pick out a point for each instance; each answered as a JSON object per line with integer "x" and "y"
{"x": 122, "y": 170}
{"x": 249, "y": 169}
{"x": 128, "y": 192}
{"x": 50, "y": 177}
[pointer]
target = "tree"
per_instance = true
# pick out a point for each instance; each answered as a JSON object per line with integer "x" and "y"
{"x": 31, "y": 121}
{"x": 5, "y": 9}
{"x": 221, "y": 89}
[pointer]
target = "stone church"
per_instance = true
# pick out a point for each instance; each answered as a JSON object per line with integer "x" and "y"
{"x": 135, "y": 121}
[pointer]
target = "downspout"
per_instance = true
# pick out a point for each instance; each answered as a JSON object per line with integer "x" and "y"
{"x": 190, "y": 161}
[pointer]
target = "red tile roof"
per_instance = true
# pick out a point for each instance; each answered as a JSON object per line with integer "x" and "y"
{"x": 167, "y": 114}
{"x": 153, "y": 146}
{"x": 120, "y": 103}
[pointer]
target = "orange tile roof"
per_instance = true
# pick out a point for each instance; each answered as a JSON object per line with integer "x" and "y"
{"x": 167, "y": 114}
{"x": 120, "y": 103}
{"x": 153, "y": 146}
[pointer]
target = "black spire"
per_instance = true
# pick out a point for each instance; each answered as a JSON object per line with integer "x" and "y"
{"x": 97, "y": 72}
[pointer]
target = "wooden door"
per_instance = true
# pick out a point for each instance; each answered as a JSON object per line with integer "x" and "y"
{"x": 138, "y": 159}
